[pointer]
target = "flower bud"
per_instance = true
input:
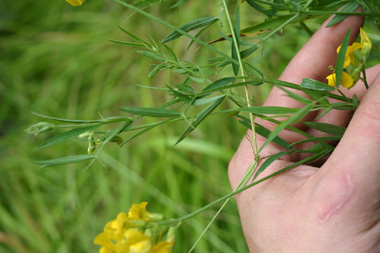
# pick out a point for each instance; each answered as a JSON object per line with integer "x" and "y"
{"x": 40, "y": 127}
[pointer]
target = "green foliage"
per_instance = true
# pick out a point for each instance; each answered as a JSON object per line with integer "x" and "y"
{"x": 76, "y": 66}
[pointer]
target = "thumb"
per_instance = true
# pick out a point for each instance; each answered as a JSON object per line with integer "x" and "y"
{"x": 359, "y": 148}
{"x": 353, "y": 170}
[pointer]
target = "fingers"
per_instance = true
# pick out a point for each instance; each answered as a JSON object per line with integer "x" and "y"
{"x": 358, "y": 152}
{"x": 313, "y": 59}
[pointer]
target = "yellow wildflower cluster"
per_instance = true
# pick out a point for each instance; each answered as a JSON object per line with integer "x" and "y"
{"x": 353, "y": 64}
{"x": 76, "y": 2}
{"x": 136, "y": 232}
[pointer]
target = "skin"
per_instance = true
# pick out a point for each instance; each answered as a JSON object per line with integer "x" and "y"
{"x": 333, "y": 206}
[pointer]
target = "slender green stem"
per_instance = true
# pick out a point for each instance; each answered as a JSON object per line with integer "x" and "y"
{"x": 242, "y": 73}
{"x": 364, "y": 76}
{"x": 227, "y": 196}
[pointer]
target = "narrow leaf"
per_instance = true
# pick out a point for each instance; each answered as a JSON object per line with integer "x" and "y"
{"x": 66, "y": 160}
{"x": 327, "y": 128}
{"x": 315, "y": 85}
{"x": 268, "y": 162}
{"x": 152, "y": 55}
{"x": 269, "y": 110}
{"x": 293, "y": 119}
{"x": 204, "y": 21}
{"x": 341, "y": 57}
{"x": 152, "y": 112}
{"x": 349, "y": 7}
{"x": 156, "y": 69}
{"x": 127, "y": 43}
{"x": 68, "y": 120}
{"x": 318, "y": 139}
{"x": 247, "y": 52}
{"x": 259, "y": 8}
{"x": 220, "y": 83}
{"x": 264, "y": 132}
{"x": 200, "y": 117}
{"x": 67, "y": 135}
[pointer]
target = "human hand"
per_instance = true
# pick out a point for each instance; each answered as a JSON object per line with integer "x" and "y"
{"x": 331, "y": 208}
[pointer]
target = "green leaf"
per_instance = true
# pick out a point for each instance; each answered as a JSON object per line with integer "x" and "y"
{"x": 235, "y": 45}
{"x": 66, "y": 160}
{"x": 200, "y": 117}
{"x": 293, "y": 119}
{"x": 156, "y": 69}
{"x": 68, "y": 120}
{"x": 134, "y": 36}
{"x": 315, "y": 85}
{"x": 179, "y": 3}
{"x": 318, "y": 139}
{"x": 268, "y": 162}
{"x": 264, "y": 132}
{"x": 327, "y": 128}
{"x": 152, "y": 112}
{"x": 269, "y": 110}
{"x": 203, "y": 101}
{"x": 247, "y": 52}
{"x": 349, "y": 7}
{"x": 259, "y": 8}
{"x": 151, "y": 55}
{"x": 195, "y": 24}
{"x": 219, "y": 83}
{"x": 341, "y": 57}
{"x": 127, "y": 43}
{"x": 67, "y": 135}
{"x": 185, "y": 88}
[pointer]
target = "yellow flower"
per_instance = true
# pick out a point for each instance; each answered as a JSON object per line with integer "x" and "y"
{"x": 139, "y": 212}
{"x": 115, "y": 228}
{"x": 346, "y": 80}
{"x": 137, "y": 232}
{"x": 76, "y": 2}
{"x": 349, "y": 57}
{"x": 163, "y": 247}
{"x": 366, "y": 42}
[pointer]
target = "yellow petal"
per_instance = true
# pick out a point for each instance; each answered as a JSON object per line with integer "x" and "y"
{"x": 347, "y": 58}
{"x": 76, "y": 2}
{"x": 134, "y": 236}
{"x": 141, "y": 247}
{"x": 366, "y": 42}
{"x": 163, "y": 247}
{"x": 139, "y": 212}
{"x": 331, "y": 80}
{"x": 346, "y": 80}
{"x": 106, "y": 250}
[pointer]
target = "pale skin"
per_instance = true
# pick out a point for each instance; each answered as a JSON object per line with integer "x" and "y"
{"x": 333, "y": 206}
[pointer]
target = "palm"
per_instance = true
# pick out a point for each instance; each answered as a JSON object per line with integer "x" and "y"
{"x": 314, "y": 204}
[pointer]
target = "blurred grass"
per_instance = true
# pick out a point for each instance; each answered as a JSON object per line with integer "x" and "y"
{"x": 56, "y": 60}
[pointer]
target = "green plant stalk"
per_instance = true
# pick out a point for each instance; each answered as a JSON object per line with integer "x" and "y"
{"x": 242, "y": 73}
{"x": 227, "y": 196}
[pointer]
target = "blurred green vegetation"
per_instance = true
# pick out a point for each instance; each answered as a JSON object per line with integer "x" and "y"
{"x": 56, "y": 60}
